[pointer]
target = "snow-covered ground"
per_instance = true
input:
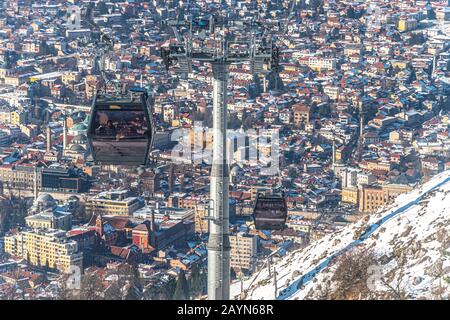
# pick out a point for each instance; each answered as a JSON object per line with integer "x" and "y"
{"x": 410, "y": 225}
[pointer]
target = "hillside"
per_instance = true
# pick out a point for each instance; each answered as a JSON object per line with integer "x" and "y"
{"x": 410, "y": 240}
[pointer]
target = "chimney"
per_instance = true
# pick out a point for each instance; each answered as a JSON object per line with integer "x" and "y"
{"x": 49, "y": 139}
{"x": 152, "y": 230}
{"x": 171, "y": 178}
{"x": 64, "y": 133}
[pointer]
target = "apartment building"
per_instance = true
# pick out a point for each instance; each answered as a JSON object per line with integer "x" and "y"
{"x": 45, "y": 248}
{"x": 302, "y": 113}
{"x": 321, "y": 63}
{"x": 201, "y": 224}
{"x": 243, "y": 251}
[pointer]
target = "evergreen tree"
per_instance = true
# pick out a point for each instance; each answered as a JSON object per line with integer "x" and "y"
{"x": 102, "y": 8}
{"x": 351, "y": 12}
{"x": 182, "y": 288}
{"x": 197, "y": 281}
{"x": 155, "y": 291}
{"x": 255, "y": 88}
{"x": 412, "y": 76}
{"x": 233, "y": 121}
{"x": 135, "y": 290}
{"x": 232, "y": 274}
{"x": 38, "y": 262}
{"x": 169, "y": 288}
{"x": 47, "y": 266}
{"x": 275, "y": 81}
{"x": 431, "y": 14}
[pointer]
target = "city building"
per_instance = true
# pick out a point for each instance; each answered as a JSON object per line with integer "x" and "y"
{"x": 115, "y": 203}
{"x": 45, "y": 248}
{"x": 243, "y": 251}
{"x": 302, "y": 113}
{"x": 50, "y": 219}
{"x": 372, "y": 198}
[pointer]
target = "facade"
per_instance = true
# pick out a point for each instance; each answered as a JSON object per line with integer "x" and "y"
{"x": 319, "y": 63}
{"x": 50, "y": 219}
{"x": 26, "y": 177}
{"x": 201, "y": 224}
{"x": 406, "y": 24}
{"x": 150, "y": 182}
{"x": 350, "y": 195}
{"x": 143, "y": 236}
{"x": 20, "y": 176}
{"x": 45, "y": 248}
{"x": 302, "y": 113}
{"x": 62, "y": 179}
{"x": 243, "y": 251}
{"x": 116, "y": 203}
{"x": 372, "y": 198}
{"x": 19, "y": 117}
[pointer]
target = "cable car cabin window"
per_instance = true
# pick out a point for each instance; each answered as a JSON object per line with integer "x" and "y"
{"x": 120, "y": 137}
{"x": 120, "y": 125}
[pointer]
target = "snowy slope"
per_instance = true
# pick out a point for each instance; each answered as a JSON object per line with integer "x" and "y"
{"x": 409, "y": 225}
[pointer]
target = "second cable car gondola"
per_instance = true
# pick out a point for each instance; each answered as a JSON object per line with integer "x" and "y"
{"x": 270, "y": 212}
{"x": 121, "y": 128}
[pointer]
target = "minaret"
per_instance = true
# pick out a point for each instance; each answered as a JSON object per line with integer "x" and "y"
{"x": 153, "y": 228}
{"x": 434, "y": 64}
{"x": 334, "y": 151}
{"x": 35, "y": 185}
{"x": 49, "y": 139}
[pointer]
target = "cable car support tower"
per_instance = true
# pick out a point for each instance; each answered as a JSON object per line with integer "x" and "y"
{"x": 234, "y": 42}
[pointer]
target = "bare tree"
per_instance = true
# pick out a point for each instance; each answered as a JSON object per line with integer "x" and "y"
{"x": 324, "y": 291}
{"x": 437, "y": 272}
{"x": 396, "y": 290}
{"x": 64, "y": 292}
{"x": 91, "y": 287}
{"x": 352, "y": 274}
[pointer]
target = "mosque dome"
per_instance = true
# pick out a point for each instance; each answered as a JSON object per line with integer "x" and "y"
{"x": 44, "y": 201}
{"x": 77, "y": 148}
